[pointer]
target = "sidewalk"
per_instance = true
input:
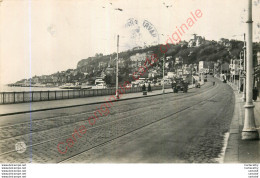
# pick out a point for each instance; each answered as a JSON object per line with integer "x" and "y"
{"x": 10, "y": 109}
{"x": 238, "y": 150}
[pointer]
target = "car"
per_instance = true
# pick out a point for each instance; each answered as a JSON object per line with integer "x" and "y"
{"x": 198, "y": 85}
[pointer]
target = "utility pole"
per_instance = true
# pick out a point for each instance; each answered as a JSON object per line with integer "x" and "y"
{"x": 244, "y": 85}
{"x": 117, "y": 94}
{"x": 202, "y": 78}
{"x": 249, "y": 130}
{"x": 221, "y": 68}
{"x": 163, "y": 74}
{"x": 239, "y": 72}
{"x": 192, "y": 75}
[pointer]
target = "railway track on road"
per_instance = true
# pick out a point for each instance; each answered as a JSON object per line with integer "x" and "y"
{"x": 117, "y": 120}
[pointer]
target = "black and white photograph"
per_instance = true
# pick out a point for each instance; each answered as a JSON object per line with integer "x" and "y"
{"x": 129, "y": 81}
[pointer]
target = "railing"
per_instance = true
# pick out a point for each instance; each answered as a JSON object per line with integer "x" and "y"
{"x": 33, "y": 96}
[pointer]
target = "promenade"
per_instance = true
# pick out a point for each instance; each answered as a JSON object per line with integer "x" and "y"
{"x": 238, "y": 150}
{"x": 9, "y": 109}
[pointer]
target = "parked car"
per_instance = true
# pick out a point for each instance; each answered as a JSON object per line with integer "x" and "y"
{"x": 198, "y": 85}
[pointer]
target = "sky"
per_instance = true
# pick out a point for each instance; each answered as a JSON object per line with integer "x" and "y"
{"x": 41, "y": 37}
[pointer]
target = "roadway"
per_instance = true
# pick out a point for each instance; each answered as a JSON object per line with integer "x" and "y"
{"x": 175, "y": 127}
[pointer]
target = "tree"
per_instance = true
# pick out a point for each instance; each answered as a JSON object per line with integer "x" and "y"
{"x": 108, "y": 79}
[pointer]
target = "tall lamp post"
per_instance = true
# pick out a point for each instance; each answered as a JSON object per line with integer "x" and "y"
{"x": 244, "y": 85}
{"x": 163, "y": 74}
{"x": 249, "y": 130}
{"x": 240, "y": 72}
{"x": 117, "y": 94}
{"x": 192, "y": 74}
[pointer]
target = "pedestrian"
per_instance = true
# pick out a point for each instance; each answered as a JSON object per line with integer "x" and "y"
{"x": 242, "y": 87}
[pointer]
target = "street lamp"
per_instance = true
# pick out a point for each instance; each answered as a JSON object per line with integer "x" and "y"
{"x": 192, "y": 74}
{"x": 163, "y": 74}
{"x": 244, "y": 85}
{"x": 249, "y": 131}
{"x": 240, "y": 72}
{"x": 117, "y": 92}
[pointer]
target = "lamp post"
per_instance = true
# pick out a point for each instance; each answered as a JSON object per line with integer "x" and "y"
{"x": 192, "y": 74}
{"x": 249, "y": 130}
{"x": 202, "y": 78}
{"x": 117, "y": 94}
{"x": 239, "y": 72}
{"x": 244, "y": 85}
{"x": 163, "y": 74}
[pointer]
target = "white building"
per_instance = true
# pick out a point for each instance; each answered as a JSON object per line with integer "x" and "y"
{"x": 171, "y": 75}
{"x": 138, "y": 57}
{"x": 234, "y": 66}
{"x": 196, "y": 41}
{"x": 178, "y": 60}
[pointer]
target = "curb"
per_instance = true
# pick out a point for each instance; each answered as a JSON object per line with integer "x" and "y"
{"x": 232, "y": 151}
{"x": 63, "y": 107}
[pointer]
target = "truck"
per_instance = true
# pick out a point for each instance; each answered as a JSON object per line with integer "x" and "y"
{"x": 179, "y": 85}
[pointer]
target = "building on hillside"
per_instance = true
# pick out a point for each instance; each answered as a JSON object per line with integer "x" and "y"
{"x": 121, "y": 63}
{"x": 225, "y": 42}
{"x": 178, "y": 60}
{"x": 195, "y": 68}
{"x": 196, "y": 41}
{"x": 138, "y": 57}
{"x": 168, "y": 58}
{"x": 225, "y": 67}
{"x": 186, "y": 69}
{"x": 102, "y": 64}
{"x": 234, "y": 67}
{"x": 137, "y": 48}
{"x": 221, "y": 67}
{"x": 152, "y": 73}
{"x": 109, "y": 71}
{"x": 183, "y": 43}
{"x": 35, "y": 79}
{"x": 171, "y": 75}
{"x": 206, "y": 67}
{"x": 179, "y": 72}
{"x": 55, "y": 79}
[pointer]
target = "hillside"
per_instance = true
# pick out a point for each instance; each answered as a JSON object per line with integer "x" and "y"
{"x": 209, "y": 51}
{"x": 104, "y": 65}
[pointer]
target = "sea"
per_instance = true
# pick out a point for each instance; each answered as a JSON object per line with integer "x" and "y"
{"x": 5, "y": 88}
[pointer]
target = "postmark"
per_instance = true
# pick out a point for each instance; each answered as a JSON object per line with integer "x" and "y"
{"x": 141, "y": 33}
{"x": 20, "y": 147}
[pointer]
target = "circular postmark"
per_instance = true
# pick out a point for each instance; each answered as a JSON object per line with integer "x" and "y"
{"x": 20, "y": 147}
{"x": 141, "y": 33}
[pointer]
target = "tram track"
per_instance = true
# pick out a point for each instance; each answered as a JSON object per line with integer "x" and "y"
{"x": 102, "y": 125}
{"x": 79, "y": 114}
{"x": 121, "y": 105}
{"x": 170, "y": 115}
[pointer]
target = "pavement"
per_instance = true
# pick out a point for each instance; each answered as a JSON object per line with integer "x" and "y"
{"x": 238, "y": 150}
{"x": 19, "y": 108}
